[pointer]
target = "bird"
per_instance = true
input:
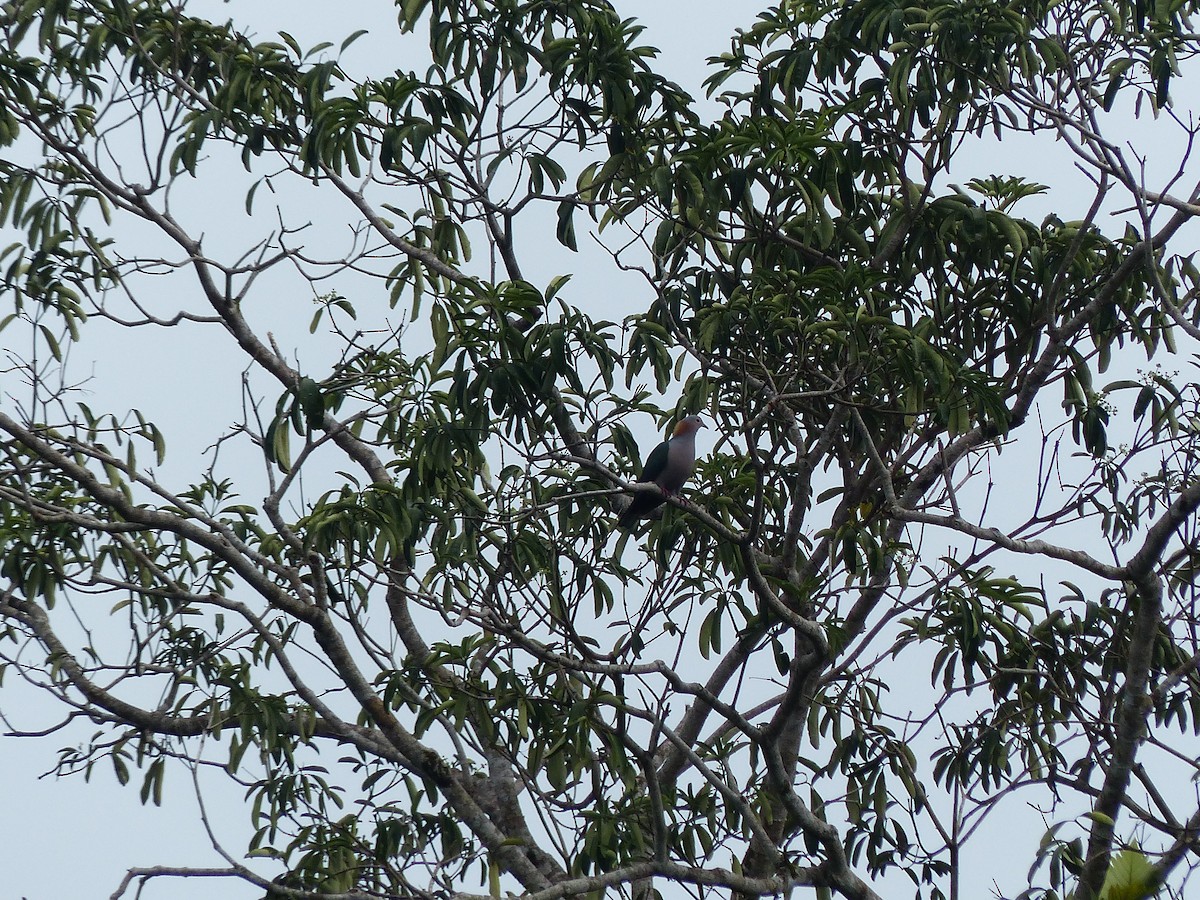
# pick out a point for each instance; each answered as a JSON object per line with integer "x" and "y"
{"x": 668, "y": 466}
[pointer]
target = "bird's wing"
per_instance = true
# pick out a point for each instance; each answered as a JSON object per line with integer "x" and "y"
{"x": 656, "y": 462}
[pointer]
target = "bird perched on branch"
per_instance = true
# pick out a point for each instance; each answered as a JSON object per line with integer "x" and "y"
{"x": 668, "y": 466}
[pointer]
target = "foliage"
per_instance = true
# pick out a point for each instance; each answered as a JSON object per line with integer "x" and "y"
{"x": 447, "y": 672}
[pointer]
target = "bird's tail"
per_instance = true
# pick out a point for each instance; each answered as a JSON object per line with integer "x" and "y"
{"x": 642, "y": 503}
{"x": 629, "y": 518}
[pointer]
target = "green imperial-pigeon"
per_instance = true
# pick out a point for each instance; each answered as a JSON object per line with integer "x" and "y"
{"x": 668, "y": 465}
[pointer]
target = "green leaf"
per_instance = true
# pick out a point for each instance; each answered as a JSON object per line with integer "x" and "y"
{"x": 312, "y": 402}
{"x": 1131, "y": 876}
{"x": 1116, "y": 75}
{"x": 439, "y": 323}
{"x": 352, "y": 38}
{"x": 566, "y": 225}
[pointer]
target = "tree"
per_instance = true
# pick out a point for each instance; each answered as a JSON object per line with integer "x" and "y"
{"x": 907, "y": 592}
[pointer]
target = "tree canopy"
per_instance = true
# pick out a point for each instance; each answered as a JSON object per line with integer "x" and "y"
{"x": 936, "y": 566}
